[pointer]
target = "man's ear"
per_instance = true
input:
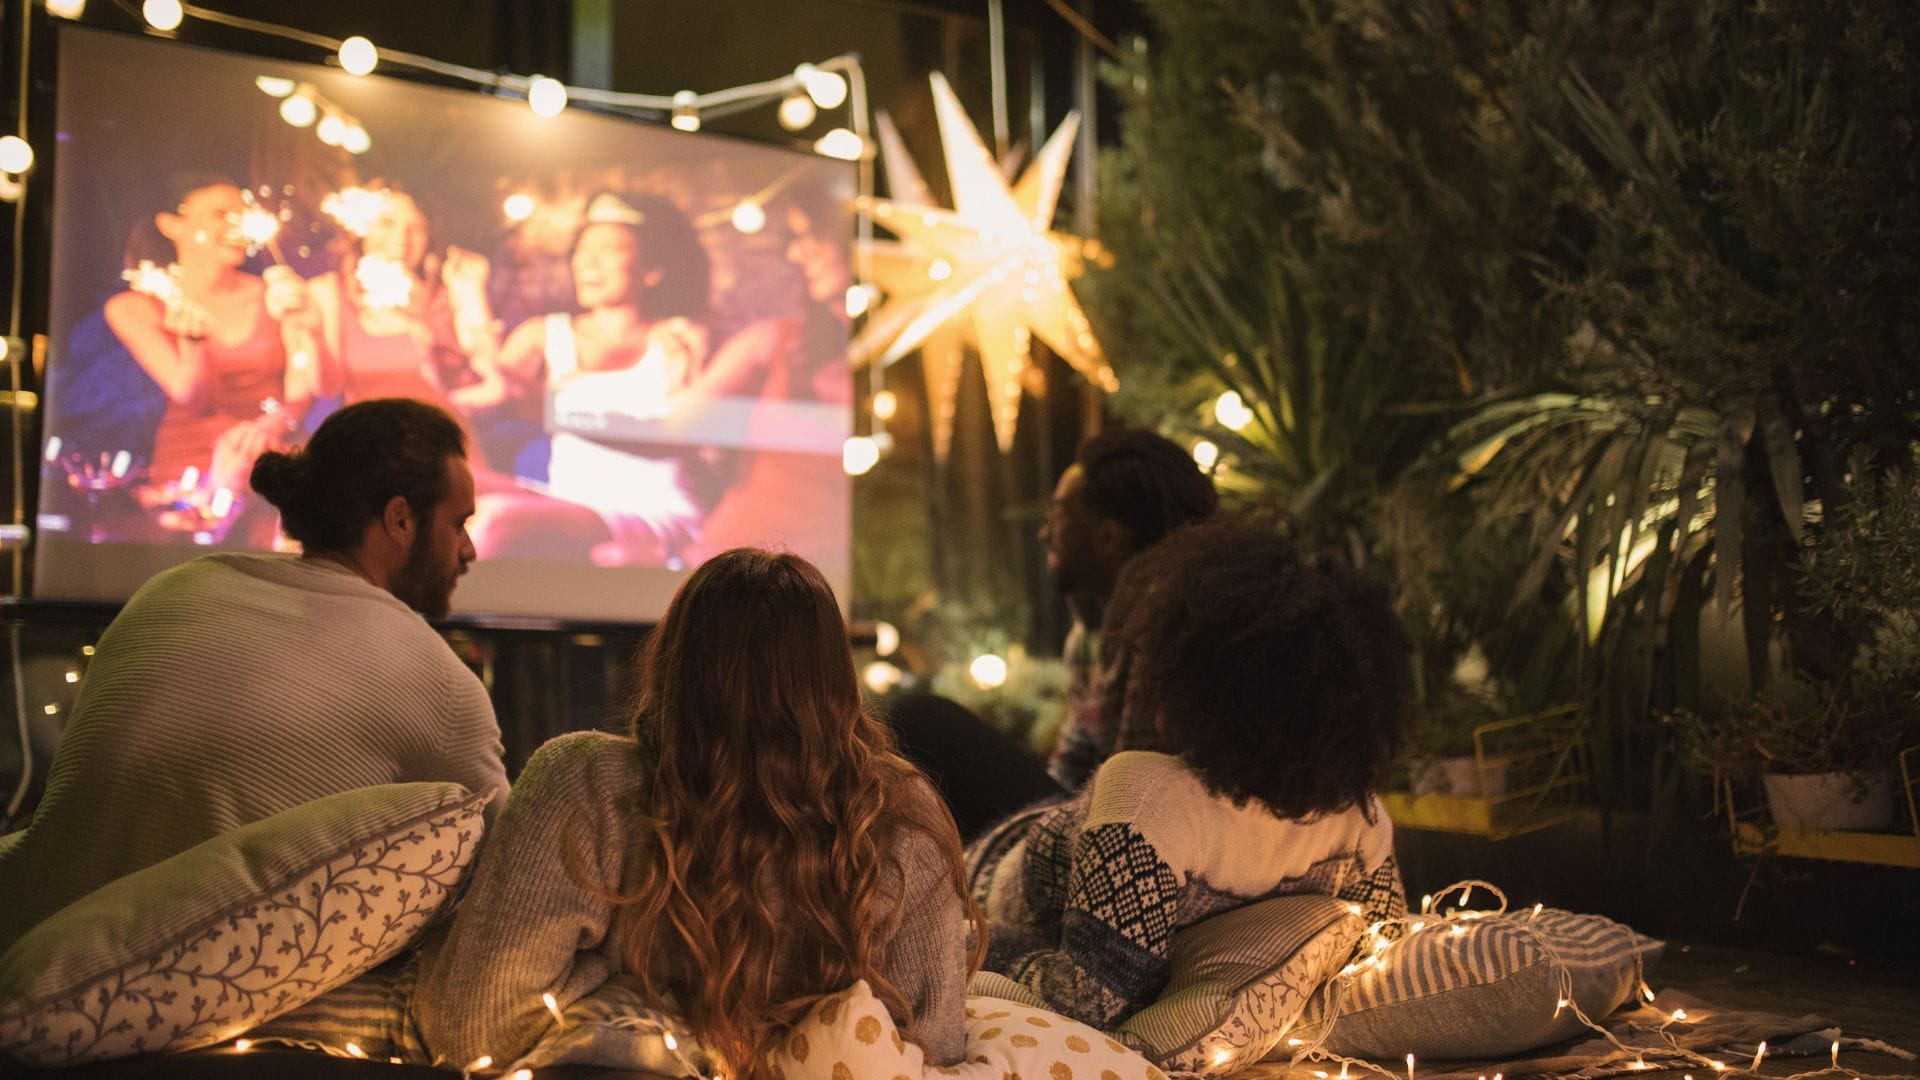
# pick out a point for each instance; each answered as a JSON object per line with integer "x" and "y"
{"x": 1112, "y": 540}
{"x": 397, "y": 520}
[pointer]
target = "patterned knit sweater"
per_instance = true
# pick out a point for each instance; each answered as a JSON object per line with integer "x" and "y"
{"x": 1084, "y": 896}
{"x": 528, "y": 927}
{"x": 231, "y": 688}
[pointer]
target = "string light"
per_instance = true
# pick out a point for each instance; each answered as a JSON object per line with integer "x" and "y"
{"x": 358, "y": 56}
{"x": 859, "y": 298}
{"x": 163, "y": 14}
{"x": 885, "y": 405}
{"x": 66, "y": 9}
{"x": 241, "y": 1045}
{"x": 518, "y": 206}
{"x": 886, "y": 637}
{"x": 1758, "y": 1055}
{"x": 686, "y": 111}
{"x": 859, "y": 454}
{"x": 353, "y": 1050}
{"x": 1409, "y": 1067}
{"x": 1231, "y": 411}
{"x": 826, "y": 89}
{"x": 299, "y": 110}
{"x": 796, "y": 111}
{"x": 355, "y": 139}
{"x": 841, "y": 143}
{"x": 546, "y": 97}
{"x": 1207, "y": 455}
{"x": 881, "y": 676}
{"x": 749, "y": 217}
{"x": 274, "y": 86}
{"x": 16, "y": 154}
{"x": 73, "y": 676}
{"x": 52, "y": 710}
{"x": 988, "y": 671}
{"x": 940, "y": 270}
{"x": 1836, "y": 1053}
{"x": 553, "y": 1007}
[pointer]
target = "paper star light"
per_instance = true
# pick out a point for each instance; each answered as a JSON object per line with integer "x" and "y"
{"x": 992, "y": 258}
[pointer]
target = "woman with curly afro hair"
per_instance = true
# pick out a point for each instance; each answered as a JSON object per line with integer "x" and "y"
{"x": 1278, "y": 684}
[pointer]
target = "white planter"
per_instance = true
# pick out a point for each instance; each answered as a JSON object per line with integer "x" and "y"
{"x": 1460, "y": 776}
{"x": 1838, "y": 801}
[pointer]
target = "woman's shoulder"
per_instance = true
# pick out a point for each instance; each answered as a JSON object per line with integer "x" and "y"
{"x": 1143, "y": 776}
{"x": 594, "y": 756}
{"x": 128, "y": 304}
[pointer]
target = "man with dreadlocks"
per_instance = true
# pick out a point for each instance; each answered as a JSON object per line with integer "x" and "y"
{"x": 1127, "y": 489}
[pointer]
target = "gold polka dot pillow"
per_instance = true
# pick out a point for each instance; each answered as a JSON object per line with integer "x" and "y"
{"x": 239, "y": 929}
{"x": 849, "y": 1036}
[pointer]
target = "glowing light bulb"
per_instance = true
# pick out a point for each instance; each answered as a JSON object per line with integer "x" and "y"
{"x": 74, "y": 676}
{"x": 518, "y": 206}
{"x": 546, "y": 97}
{"x": 886, "y": 639}
{"x": 273, "y": 86}
{"x": 1207, "y": 455}
{"x": 354, "y": 1050}
{"x": 859, "y": 298}
{"x": 858, "y": 455}
{"x": 672, "y": 1043}
{"x": 1758, "y": 1056}
{"x": 332, "y": 129}
{"x": 1679, "y": 1014}
{"x": 885, "y": 404}
{"x": 553, "y": 1007}
{"x": 299, "y": 110}
{"x": 881, "y": 676}
{"x": 749, "y": 217}
{"x": 1409, "y": 1067}
{"x": 355, "y": 140}
{"x": 841, "y": 143}
{"x": 1232, "y": 412}
{"x": 241, "y": 1045}
{"x": 481, "y": 1062}
{"x": 520, "y": 1074}
{"x": 163, "y": 14}
{"x": 51, "y": 710}
{"x": 66, "y": 9}
{"x": 940, "y": 270}
{"x": 988, "y": 671}
{"x": 358, "y": 56}
{"x": 827, "y": 88}
{"x": 796, "y": 111}
{"x": 16, "y": 154}
{"x": 686, "y": 111}
{"x": 1221, "y": 1055}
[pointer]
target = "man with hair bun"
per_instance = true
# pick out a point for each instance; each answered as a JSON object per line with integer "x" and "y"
{"x": 239, "y": 685}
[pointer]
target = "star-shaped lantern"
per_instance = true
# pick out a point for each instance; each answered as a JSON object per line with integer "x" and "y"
{"x": 992, "y": 258}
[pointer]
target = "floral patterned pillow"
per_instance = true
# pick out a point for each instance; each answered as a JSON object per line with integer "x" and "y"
{"x": 239, "y": 929}
{"x": 1240, "y": 980}
{"x": 850, "y": 1035}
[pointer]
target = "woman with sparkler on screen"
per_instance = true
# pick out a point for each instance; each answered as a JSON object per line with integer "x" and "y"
{"x": 638, "y": 349}
{"x": 210, "y": 335}
{"x": 389, "y": 326}
{"x": 753, "y": 844}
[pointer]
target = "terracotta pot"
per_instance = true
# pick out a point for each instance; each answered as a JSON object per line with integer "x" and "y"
{"x": 1460, "y": 776}
{"x": 1838, "y": 801}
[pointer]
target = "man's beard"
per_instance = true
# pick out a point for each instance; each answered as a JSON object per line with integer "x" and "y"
{"x": 418, "y": 586}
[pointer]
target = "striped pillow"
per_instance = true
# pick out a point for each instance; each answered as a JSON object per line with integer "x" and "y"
{"x": 1491, "y": 990}
{"x": 1240, "y": 979}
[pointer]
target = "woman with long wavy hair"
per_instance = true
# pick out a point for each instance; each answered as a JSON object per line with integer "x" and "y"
{"x": 753, "y": 845}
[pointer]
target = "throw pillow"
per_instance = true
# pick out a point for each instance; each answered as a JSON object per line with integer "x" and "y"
{"x": 1240, "y": 979}
{"x": 1490, "y": 990}
{"x": 850, "y": 1034}
{"x": 236, "y": 930}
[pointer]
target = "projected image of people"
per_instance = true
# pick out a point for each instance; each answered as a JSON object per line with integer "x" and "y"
{"x": 636, "y": 352}
{"x": 212, "y": 339}
{"x": 643, "y": 332}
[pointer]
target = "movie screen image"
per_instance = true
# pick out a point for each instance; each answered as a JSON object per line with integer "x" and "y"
{"x": 642, "y": 330}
